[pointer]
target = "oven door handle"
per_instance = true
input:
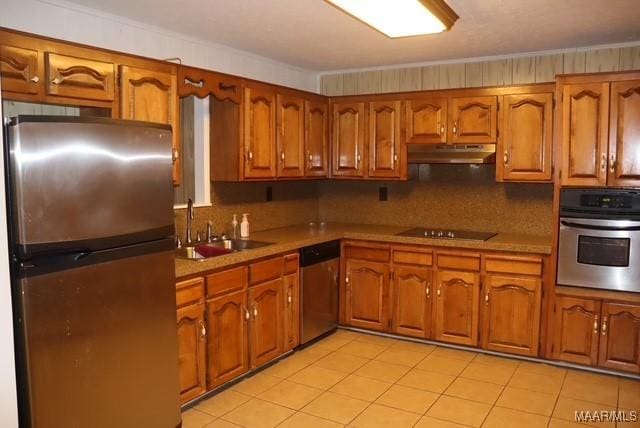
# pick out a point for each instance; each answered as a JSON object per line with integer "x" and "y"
{"x": 598, "y": 227}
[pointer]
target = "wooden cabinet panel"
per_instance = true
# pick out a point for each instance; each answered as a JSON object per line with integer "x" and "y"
{"x": 266, "y": 270}
{"x": 150, "y": 96}
{"x": 266, "y": 308}
{"x": 348, "y": 140}
{"x": 316, "y": 139}
{"x": 367, "y": 294}
{"x": 624, "y": 137}
{"x": 457, "y": 307}
{"x": 80, "y": 78}
{"x": 575, "y": 330}
{"x": 191, "y": 352}
{"x": 290, "y": 119}
{"x": 189, "y": 292}
{"x": 19, "y": 70}
{"x": 585, "y": 116}
{"x": 474, "y": 120}
{"x": 412, "y": 291}
{"x": 527, "y": 137}
{"x": 620, "y": 337}
{"x": 227, "y": 347}
{"x": 291, "y": 297}
{"x": 511, "y": 315}
{"x": 385, "y": 145}
{"x": 426, "y": 120}
{"x": 227, "y": 281}
{"x": 259, "y": 132}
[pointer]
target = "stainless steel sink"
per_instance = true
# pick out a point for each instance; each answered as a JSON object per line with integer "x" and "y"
{"x": 208, "y": 250}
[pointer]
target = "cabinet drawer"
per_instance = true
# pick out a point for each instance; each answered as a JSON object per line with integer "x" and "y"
{"x": 226, "y": 281}
{"x": 266, "y": 270}
{"x": 458, "y": 261}
{"x": 189, "y": 292}
{"x": 367, "y": 253}
{"x": 511, "y": 264}
{"x": 413, "y": 256}
{"x": 80, "y": 78}
{"x": 291, "y": 263}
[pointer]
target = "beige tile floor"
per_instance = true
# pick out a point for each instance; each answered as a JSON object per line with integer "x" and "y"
{"x": 359, "y": 380}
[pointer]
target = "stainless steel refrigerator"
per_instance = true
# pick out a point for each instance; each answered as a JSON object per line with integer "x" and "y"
{"x": 91, "y": 231}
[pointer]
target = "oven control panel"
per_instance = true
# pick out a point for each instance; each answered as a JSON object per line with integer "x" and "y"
{"x": 606, "y": 201}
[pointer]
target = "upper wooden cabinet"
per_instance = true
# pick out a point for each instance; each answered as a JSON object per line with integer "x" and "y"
{"x": 387, "y": 157}
{"x": 151, "y": 96}
{"x": 348, "y": 139}
{"x": 20, "y": 71}
{"x": 474, "y": 120}
{"x": 203, "y": 83}
{"x": 624, "y": 135}
{"x": 316, "y": 140}
{"x": 600, "y": 130}
{"x": 426, "y": 120}
{"x": 259, "y": 132}
{"x": 291, "y": 134}
{"x": 525, "y": 145}
{"x": 80, "y": 78}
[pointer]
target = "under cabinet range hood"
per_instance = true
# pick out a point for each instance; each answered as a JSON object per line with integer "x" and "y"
{"x": 452, "y": 153}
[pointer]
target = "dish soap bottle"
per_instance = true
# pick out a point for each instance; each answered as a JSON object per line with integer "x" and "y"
{"x": 234, "y": 226}
{"x": 244, "y": 227}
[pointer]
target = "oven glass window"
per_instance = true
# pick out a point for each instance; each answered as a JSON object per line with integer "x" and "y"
{"x": 593, "y": 250}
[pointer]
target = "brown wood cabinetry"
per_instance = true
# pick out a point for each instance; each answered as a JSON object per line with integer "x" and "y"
{"x": 624, "y": 136}
{"x": 367, "y": 292}
{"x": 291, "y": 298}
{"x": 620, "y": 337}
{"x": 412, "y": 293}
{"x": 80, "y": 78}
{"x": 259, "y": 132}
{"x": 575, "y": 330}
{"x": 192, "y": 336}
{"x": 348, "y": 139}
{"x": 474, "y": 120}
{"x": 20, "y": 70}
{"x": 290, "y": 120}
{"x": 525, "y": 146}
{"x": 316, "y": 141}
{"x": 387, "y": 157}
{"x": 457, "y": 307}
{"x": 266, "y": 309}
{"x": 426, "y": 120}
{"x": 151, "y": 96}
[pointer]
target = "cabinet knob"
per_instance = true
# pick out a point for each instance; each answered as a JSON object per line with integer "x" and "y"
{"x": 603, "y": 162}
{"x": 250, "y": 156}
{"x": 282, "y": 156}
{"x": 442, "y": 129}
{"x": 428, "y": 290}
{"x": 612, "y": 163}
{"x": 604, "y": 327}
{"x": 506, "y": 157}
{"x": 346, "y": 280}
{"x": 35, "y": 79}
{"x": 455, "y": 128}
{"x": 395, "y": 158}
{"x": 246, "y": 313}
{"x": 595, "y": 325}
{"x": 255, "y": 312}
{"x": 289, "y": 298}
{"x": 486, "y": 298}
{"x": 174, "y": 155}
{"x": 203, "y": 330}
{"x": 439, "y": 291}
{"x": 310, "y": 157}
{"x": 56, "y": 81}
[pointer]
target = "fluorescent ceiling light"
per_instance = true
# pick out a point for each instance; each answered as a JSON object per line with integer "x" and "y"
{"x": 401, "y": 18}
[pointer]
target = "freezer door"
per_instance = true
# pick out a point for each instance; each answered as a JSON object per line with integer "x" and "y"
{"x": 101, "y": 345}
{"x": 88, "y": 183}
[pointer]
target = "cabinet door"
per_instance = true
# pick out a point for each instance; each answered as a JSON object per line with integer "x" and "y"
{"x": 19, "y": 70}
{"x": 385, "y": 139}
{"x": 575, "y": 330}
{"x": 290, "y": 136}
{"x": 474, "y": 120}
{"x": 511, "y": 314}
{"x": 624, "y": 137}
{"x": 457, "y": 307}
{"x": 291, "y": 297}
{"x": 227, "y": 349}
{"x": 266, "y": 307}
{"x": 150, "y": 96}
{"x": 367, "y": 300}
{"x": 620, "y": 337}
{"x": 348, "y": 140}
{"x": 80, "y": 78}
{"x": 260, "y": 133}
{"x": 412, "y": 290}
{"x": 316, "y": 139}
{"x": 527, "y": 137}
{"x": 191, "y": 352}
{"x": 426, "y": 120}
{"x": 585, "y": 117}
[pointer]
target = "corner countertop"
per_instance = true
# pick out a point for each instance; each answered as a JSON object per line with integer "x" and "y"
{"x": 291, "y": 238}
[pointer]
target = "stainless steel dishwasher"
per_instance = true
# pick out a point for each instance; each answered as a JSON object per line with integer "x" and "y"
{"x": 320, "y": 275}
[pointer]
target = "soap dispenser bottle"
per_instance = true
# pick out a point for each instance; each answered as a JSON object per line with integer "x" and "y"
{"x": 234, "y": 226}
{"x": 244, "y": 227}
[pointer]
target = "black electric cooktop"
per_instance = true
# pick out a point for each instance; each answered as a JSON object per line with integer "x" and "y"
{"x": 463, "y": 235}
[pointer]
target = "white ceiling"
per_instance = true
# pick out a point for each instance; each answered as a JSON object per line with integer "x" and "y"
{"x": 314, "y": 35}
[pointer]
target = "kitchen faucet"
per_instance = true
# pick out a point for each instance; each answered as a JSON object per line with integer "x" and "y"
{"x": 188, "y": 240}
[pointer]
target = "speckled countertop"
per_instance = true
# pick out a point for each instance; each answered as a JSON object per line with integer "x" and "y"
{"x": 294, "y": 237}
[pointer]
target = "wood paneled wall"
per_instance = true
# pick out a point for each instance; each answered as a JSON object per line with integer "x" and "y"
{"x": 509, "y": 71}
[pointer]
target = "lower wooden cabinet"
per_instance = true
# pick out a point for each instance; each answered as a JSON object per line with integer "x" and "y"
{"x": 367, "y": 290}
{"x": 412, "y": 295}
{"x": 511, "y": 314}
{"x": 594, "y": 332}
{"x": 227, "y": 323}
{"x": 291, "y": 298}
{"x": 457, "y": 307}
{"x": 266, "y": 309}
